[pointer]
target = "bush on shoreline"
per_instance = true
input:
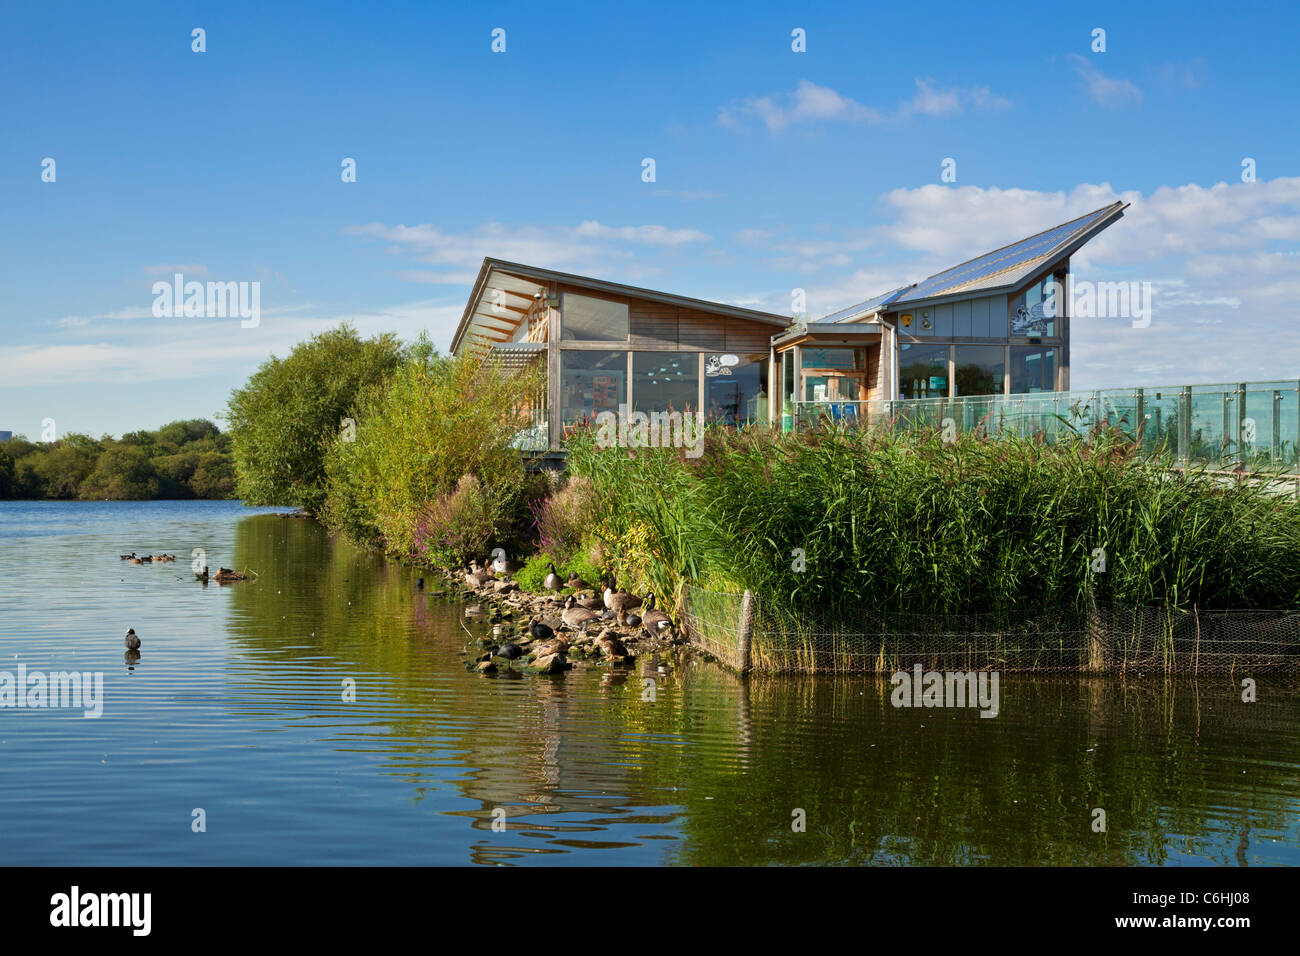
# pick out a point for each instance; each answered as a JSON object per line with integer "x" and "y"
{"x": 288, "y": 415}
{"x": 434, "y": 423}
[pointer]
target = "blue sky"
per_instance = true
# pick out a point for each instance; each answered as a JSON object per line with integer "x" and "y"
{"x": 775, "y": 170}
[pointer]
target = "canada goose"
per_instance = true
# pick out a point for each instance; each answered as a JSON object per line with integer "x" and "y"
{"x": 202, "y": 575}
{"x": 654, "y": 620}
{"x": 127, "y": 557}
{"x": 132, "y": 641}
{"x": 576, "y": 616}
{"x": 620, "y": 602}
{"x": 502, "y": 566}
{"x": 477, "y": 575}
{"x": 538, "y": 630}
{"x": 552, "y": 581}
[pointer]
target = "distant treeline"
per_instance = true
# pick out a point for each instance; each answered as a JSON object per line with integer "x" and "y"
{"x": 185, "y": 459}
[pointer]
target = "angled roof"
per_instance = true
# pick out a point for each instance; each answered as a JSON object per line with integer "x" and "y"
{"x": 503, "y": 291}
{"x": 1002, "y": 269}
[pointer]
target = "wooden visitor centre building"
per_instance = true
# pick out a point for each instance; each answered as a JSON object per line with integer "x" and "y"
{"x": 979, "y": 328}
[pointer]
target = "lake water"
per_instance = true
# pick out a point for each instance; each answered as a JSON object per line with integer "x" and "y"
{"x": 235, "y": 708}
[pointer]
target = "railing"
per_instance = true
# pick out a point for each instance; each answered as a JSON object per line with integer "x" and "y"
{"x": 1253, "y": 424}
{"x": 535, "y": 437}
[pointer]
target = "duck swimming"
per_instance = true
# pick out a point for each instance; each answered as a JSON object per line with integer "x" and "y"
{"x": 132, "y": 641}
{"x": 127, "y": 557}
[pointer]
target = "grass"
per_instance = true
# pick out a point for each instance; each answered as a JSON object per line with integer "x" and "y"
{"x": 831, "y": 522}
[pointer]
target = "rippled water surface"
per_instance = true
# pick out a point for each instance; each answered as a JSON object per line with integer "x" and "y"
{"x": 236, "y": 707}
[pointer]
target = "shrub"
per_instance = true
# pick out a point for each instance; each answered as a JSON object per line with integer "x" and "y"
{"x": 286, "y": 417}
{"x": 456, "y": 527}
{"x": 565, "y": 517}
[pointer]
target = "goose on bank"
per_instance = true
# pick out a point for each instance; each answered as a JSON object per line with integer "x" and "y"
{"x": 576, "y": 616}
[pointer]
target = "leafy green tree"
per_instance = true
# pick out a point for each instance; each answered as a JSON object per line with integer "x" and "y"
{"x": 214, "y": 477}
{"x": 122, "y": 473}
{"x": 283, "y": 421}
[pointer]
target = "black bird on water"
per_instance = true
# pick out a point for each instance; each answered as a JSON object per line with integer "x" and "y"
{"x": 419, "y": 584}
{"x": 132, "y": 642}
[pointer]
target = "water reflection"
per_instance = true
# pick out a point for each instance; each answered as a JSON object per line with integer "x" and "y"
{"x": 243, "y": 709}
{"x": 716, "y": 766}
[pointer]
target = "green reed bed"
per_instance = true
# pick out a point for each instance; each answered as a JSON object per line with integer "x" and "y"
{"x": 828, "y": 523}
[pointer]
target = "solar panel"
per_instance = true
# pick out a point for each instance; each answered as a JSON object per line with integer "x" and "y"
{"x": 861, "y": 307}
{"x": 1000, "y": 260}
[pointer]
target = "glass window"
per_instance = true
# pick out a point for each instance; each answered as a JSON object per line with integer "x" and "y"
{"x": 591, "y": 382}
{"x": 923, "y": 371}
{"x": 665, "y": 381}
{"x": 848, "y": 359}
{"x": 592, "y": 320}
{"x": 1033, "y": 369}
{"x": 979, "y": 369}
{"x": 787, "y": 379}
{"x": 1034, "y": 312}
{"x": 735, "y": 388}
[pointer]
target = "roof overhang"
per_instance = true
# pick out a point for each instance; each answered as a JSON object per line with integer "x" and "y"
{"x": 827, "y": 334}
{"x": 503, "y": 291}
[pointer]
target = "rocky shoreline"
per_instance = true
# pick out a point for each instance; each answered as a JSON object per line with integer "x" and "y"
{"x": 511, "y": 647}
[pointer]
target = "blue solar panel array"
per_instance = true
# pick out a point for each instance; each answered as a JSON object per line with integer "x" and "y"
{"x": 1002, "y": 259}
{"x": 863, "y": 306}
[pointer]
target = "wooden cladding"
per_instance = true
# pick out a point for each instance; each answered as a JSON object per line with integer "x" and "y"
{"x": 655, "y": 326}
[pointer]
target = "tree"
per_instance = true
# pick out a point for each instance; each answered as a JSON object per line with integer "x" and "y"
{"x": 284, "y": 419}
{"x": 122, "y": 473}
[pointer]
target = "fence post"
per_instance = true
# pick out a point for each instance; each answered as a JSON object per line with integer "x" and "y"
{"x": 746, "y": 630}
{"x": 1099, "y": 656}
{"x": 1139, "y": 415}
{"x": 1185, "y": 424}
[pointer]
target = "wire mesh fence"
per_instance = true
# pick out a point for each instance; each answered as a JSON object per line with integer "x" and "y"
{"x": 747, "y": 634}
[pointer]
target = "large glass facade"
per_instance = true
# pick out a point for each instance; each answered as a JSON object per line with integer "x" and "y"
{"x": 1036, "y": 311}
{"x": 1033, "y": 369}
{"x": 665, "y": 381}
{"x": 590, "y": 383}
{"x": 923, "y": 371}
{"x": 735, "y": 388}
{"x": 979, "y": 369}
{"x": 588, "y": 319}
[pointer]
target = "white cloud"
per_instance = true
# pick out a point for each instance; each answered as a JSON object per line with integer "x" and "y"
{"x": 810, "y": 102}
{"x": 1103, "y": 89}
